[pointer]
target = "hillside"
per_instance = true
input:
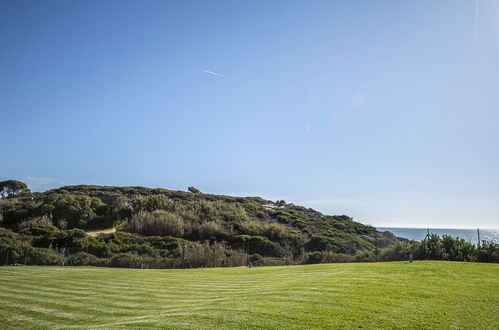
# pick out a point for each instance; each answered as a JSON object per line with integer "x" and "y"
{"x": 394, "y": 295}
{"x": 166, "y": 228}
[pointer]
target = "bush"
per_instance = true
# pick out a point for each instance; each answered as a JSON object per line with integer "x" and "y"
{"x": 42, "y": 256}
{"x": 85, "y": 259}
{"x": 204, "y": 254}
{"x": 273, "y": 231}
{"x": 130, "y": 260}
{"x": 152, "y": 203}
{"x": 234, "y": 258}
{"x": 331, "y": 257}
{"x": 256, "y": 259}
{"x": 269, "y": 261}
{"x": 257, "y": 244}
{"x": 32, "y": 222}
{"x": 211, "y": 230}
{"x": 13, "y": 250}
{"x": 363, "y": 257}
{"x": 314, "y": 257}
{"x": 401, "y": 251}
{"x": 324, "y": 243}
{"x": 158, "y": 223}
{"x": 78, "y": 211}
{"x": 489, "y": 252}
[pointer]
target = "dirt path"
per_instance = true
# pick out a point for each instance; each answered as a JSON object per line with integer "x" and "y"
{"x": 101, "y": 232}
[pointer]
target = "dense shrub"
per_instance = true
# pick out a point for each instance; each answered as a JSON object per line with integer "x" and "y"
{"x": 210, "y": 230}
{"x": 273, "y": 231}
{"x": 85, "y": 259}
{"x": 159, "y": 222}
{"x": 365, "y": 256}
{"x": 42, "y": 256}
{"x": 332, "y": 257}
{"x": 28, "y": 224}
{"x": 152, "y": 203}
{"x": 271, "y": 261}
{"x": 130, "y": 260}
{"x": 14, "y": 213}
{"x": 401, "y": 251}
{"x": 488, "y": 252}
{"x": 324, "y": 243}
{"x": 205, "y": 254}
{"x": 315, "y": 257}
{"x": 235, "y": 258}
{"x": 257, "y": 244}
{"x": 78, "y": 211}
{"x": 256, "y": 259}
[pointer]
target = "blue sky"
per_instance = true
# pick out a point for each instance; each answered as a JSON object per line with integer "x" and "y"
{"x": 383, "y": 110}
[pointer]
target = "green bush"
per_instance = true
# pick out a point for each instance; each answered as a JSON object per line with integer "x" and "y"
{"x": 256, "y": 259}
{"x": 42, "y": 256}
{"x": 324, "y": 243}
{"x": 257, "y": 244}
{"x": 489, "y": 252}
{"x": 401, "y": 251}
{"x": 78, "y": 211}
{"x": 130, "y": 260}
{"x": 363, "y": 257}
{"x": 159, "y": 223}
{"x": 85, "y": 259}
{"x": 315, "y": 257}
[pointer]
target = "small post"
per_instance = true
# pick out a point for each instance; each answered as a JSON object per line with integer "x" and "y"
{"x": 478, "y": 233}
{"x": 427, "y": 248}
{"x": 247, "y": 255}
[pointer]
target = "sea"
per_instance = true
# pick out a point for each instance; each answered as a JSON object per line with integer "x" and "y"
{"x": 469, "y": 235}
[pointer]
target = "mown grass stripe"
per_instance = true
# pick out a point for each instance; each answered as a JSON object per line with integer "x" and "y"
{"x": 443, "y": 294}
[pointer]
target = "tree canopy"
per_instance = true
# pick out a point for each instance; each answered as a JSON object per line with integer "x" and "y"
{"x": 13, "y": 188}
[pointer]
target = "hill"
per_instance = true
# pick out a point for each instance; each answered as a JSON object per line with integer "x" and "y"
{"x": 421, "y": 295}
{"x": 165, "y": 228}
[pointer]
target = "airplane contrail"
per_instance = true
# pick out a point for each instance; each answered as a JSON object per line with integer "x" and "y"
{"x": 215, "y": 73}
{"x": 476, "y": 24}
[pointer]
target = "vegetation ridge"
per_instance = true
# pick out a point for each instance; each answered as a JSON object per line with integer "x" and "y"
{"x": 142, "y": 227}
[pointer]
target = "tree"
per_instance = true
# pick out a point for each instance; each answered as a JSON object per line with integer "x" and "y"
{"x": 194, "y": 190}
{"x": 78, "y": 211}
{"x": 13, "y": 188}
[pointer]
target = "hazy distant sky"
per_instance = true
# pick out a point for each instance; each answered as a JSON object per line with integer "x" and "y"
{"x": 387, "y": 111}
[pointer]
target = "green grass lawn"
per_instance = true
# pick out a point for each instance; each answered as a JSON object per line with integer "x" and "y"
{"x": 370, "y": 295}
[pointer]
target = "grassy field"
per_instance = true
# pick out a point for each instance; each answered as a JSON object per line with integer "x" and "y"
{"x": 369, "y": 295}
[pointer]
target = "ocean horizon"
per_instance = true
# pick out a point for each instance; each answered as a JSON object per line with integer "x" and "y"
{"x": 469, "y": 235}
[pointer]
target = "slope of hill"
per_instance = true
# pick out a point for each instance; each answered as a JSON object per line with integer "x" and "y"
{"x": 166, "y": 228}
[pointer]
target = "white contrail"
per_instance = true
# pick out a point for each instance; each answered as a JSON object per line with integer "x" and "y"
{"x": 308, "y": 129}
{"x": 215, "y": 73}
{"x": 476, "y": 24}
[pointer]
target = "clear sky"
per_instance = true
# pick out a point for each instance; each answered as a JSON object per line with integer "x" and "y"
{"x": 387, "y": 111}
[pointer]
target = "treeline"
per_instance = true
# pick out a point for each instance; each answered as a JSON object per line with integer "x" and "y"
{"x": 159, "y": 228}
{"x": 52, "y": 246}
{"x": 442, "y": 248}
{"x": 275, "y": 231}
